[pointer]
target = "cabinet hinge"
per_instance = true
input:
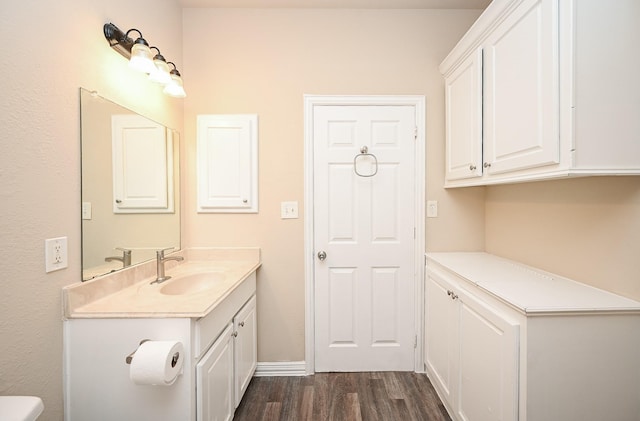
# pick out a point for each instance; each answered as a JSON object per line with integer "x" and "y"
{"x": 415, "y": 133}
{"x": 415, "y": 341}
{"x": 414, "y": 233}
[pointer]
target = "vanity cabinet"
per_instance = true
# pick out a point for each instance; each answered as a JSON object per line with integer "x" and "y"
{"x": 507, "y": 341}
{"x": 529, "y": 93}
{"x": 220, "y": 359}
{"x": 224, "y": 372}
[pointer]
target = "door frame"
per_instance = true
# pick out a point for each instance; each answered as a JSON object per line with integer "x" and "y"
{"x": 419, "y": 104}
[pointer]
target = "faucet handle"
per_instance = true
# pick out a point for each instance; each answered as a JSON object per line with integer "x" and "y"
{"x": 160, "y": 253}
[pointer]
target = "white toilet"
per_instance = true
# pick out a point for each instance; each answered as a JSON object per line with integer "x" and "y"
{"x": 20, "y": 408}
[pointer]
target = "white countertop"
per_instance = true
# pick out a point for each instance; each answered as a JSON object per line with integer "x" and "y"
{"x": 528, "y": 289}
{"x": 129, "y": 293}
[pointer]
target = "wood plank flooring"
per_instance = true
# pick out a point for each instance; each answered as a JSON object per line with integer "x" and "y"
{"x": 378, "y": 396}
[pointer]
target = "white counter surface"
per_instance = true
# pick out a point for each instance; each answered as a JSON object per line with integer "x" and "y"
{"x": 527, "y": 289}
{"x": 129, "y": 293}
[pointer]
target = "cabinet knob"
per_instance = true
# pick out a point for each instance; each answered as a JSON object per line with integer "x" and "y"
{"x": 487, "y": 164}
{"x": 235, "y": 334}
{"x": 472, "y": 167}
{"x": 322, "y": 255}
{"x": 241, "y": 324}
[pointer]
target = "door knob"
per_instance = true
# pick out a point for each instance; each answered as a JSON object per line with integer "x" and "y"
{"x": 322, "y": 255}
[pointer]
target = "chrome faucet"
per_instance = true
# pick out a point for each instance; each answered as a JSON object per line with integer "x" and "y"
{"x": 125, "y": 258}
{"x": 160, "y": 259}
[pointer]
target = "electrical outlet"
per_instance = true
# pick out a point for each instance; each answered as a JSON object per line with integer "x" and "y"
{"x": 55, "y": 254}
{"x": 289, "y": 210}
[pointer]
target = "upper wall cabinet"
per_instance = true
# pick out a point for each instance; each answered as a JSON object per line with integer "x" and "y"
{"x": 228, "y": 163}
{"x": 541, "y": 89}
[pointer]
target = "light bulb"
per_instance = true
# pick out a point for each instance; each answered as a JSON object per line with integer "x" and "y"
{"x": 141, "y": 57}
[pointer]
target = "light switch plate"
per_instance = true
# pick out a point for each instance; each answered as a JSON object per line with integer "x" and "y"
{"x": 289, "y": 210}
{"x": 86, "y": 210}
{"x": 432, "y": 208}
{"x": 55, "y": 254}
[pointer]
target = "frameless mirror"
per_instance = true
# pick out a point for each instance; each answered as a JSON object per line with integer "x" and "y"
{"x": 130, "y": 186}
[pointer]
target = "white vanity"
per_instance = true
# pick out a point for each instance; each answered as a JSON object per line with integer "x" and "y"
{"x": 209, "y": 306}
{"x": 505, "y": 341}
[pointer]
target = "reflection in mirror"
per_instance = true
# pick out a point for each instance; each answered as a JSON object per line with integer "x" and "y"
{"x": 130, "y": 186}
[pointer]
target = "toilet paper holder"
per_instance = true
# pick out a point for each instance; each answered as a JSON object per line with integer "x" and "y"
{"x": 129, "y": 358}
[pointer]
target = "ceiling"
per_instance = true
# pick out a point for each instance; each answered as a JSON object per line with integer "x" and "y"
{"x": 339, "y": 4}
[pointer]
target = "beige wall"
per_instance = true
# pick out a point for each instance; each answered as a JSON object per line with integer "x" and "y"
{"x": 263, "y": 62}
{"x": 50, "y": 49}
{"x": 587, "y": 229}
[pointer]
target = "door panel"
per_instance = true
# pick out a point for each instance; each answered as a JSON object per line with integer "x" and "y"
{"x": 521, "y": 90}
{"x": 142, "y": 175}
{"x": 441, "y": 333}
{"x": 488, "y": 363}
{"x": 364, "y": 290}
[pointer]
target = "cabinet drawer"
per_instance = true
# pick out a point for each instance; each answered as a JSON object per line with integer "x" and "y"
{"x": 208, "y": 328}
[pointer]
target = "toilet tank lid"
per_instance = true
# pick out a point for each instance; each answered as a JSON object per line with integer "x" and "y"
{"x": 20, "y": 408}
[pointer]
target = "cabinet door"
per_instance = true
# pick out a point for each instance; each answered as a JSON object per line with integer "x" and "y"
{"x": 489, "y": 358}
{"x": 214, "y": 380}
{"x": 245, "y": 347}
{"x": 142, "y": 165}
{"x": 463, "y": 96}
{"x": 228, "y": 163}
{"x": 521, "y": 90}
{"x": 441, "y": 325}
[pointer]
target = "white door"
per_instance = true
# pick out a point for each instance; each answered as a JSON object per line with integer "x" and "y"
{"x": 364, "y": 207}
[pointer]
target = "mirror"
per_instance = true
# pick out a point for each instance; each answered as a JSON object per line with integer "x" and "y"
{"x": 130, "y": 186}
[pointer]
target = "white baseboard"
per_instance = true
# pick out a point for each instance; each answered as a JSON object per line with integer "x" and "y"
{"x": 286, "y": 368}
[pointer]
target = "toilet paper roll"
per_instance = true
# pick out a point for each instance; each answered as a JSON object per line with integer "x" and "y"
{"x": 157, "y": 363}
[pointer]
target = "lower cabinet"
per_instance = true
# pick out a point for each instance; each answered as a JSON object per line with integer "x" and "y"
{"x": 214, "y": 380}
{"x": 505, "y": 341}
{"x": 245, "y": 348}
{"x": 472, "y": 351}
{"x": 225, "y": 370}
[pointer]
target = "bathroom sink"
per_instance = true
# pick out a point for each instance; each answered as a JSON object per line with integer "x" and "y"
{"x": 189, "y": 284}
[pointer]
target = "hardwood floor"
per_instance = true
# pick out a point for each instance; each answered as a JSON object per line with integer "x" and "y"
{"x": 380, "y": 396}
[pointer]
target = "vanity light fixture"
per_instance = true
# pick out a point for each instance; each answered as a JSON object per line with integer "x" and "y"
{"x": 141, "y": 58}
{"x": 175, "y": 88}
{"x": 160, "y": 73}
{"x": 141, "y": 54}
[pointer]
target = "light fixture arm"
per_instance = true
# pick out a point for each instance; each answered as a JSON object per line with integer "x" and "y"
{"x": 118, "y": 40}
{"x": 175, "y": 69}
